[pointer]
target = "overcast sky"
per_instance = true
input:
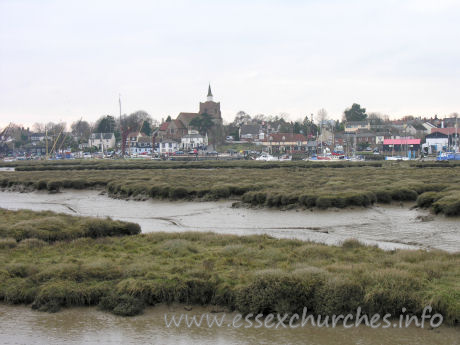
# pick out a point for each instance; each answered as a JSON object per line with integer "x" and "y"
{"x": 62, "y": 60}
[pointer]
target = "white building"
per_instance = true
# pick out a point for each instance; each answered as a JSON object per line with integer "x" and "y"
{"x": 168, "y": 147}
{"x": 193, "y": 140}
{"x": 142, "y": 146}
{"x": 354, "y": 126}
{"x": 34, "y": 137}
{"x": 436, "y": 142}
{"x": 102, "y": 140}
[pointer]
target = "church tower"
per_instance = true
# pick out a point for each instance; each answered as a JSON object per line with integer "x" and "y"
{"x": 210, "y": 107}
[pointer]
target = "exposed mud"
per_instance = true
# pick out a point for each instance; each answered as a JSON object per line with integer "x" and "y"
{"x": 389, "y": 227}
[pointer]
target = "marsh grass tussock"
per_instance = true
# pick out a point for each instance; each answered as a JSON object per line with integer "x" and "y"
{"x": 124, "y": 274}
{"x": 35, "y": 228}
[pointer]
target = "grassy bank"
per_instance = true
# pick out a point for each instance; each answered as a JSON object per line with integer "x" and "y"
{"x": 49, "y": 226}
{"x": 305, "y": 185}
{"x": 128, "y": 164}
{"x": 161, "y": 165}
{"x": 250, "y": 274}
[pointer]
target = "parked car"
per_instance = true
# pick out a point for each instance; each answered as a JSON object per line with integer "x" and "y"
{"x": 266, "y": 157}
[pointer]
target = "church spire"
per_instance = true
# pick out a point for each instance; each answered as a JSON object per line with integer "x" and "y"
{"x": 209, "y": 93}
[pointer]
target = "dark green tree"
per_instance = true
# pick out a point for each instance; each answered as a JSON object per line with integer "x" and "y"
{"x": 355, "y": 113}
{"x": 362, "y": 146}
{"x": 105, "y": 124}
{"x": 232, "y": 130}
{"x": 309, "y": 128}
{"x": 168, "y": 119}
{"x": 285, "y": 127}
{"x": 339, "y": 126}
{"x": 202, "y": 123}
{"x": 146, "y": 128}
{"x": 298, "y": 128}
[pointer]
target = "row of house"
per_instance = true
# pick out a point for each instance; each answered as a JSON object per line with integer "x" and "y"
{"x": 412, "y": 135}
{"x": 139, "y": 143}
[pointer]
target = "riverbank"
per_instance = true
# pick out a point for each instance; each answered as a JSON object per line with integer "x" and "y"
{"x": 251, "y": 274}
{"x": 312, "y": 186}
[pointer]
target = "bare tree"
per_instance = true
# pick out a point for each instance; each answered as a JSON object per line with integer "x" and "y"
{"x": 241, "y": 118}
{"x": 321, "y": 116}
{"x": 259, "y": 118}
{"x": 81, "y": 129}
{"x": 38, "y": 127}
{"x": 283, "y": 116}
{"x": 131, "y": 123}
{"x": 375, "y": 118}
{"x": 55, "y": 128}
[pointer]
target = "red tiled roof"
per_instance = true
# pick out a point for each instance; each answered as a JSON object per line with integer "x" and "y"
{"x": 401, "y": 141}
{"x": 446, "y": 131}
{"x": 164, "y": 126}
{"x": 187, "y": 115}
{"x": 179, "y": 124}
{"x": 186, "y": 118}
{"x": 278, "y": 137}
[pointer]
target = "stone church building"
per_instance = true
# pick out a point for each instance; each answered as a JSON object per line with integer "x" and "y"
{"x": 176, "y": 129}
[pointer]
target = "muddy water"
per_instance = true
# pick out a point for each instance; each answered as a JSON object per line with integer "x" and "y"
{"x": 21, "y": 325}
{"x": 389, "y": 227}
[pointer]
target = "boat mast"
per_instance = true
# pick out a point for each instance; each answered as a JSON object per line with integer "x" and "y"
{"x": 121, "y": 144}
{"x": 456, "y": 133}
{"x": 46, "y": 141}
{"x": 55, "y": 142}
